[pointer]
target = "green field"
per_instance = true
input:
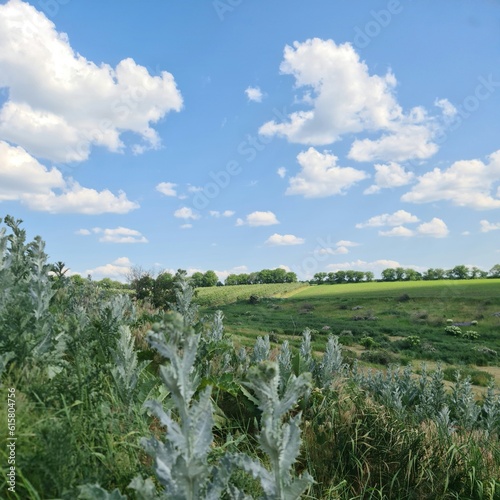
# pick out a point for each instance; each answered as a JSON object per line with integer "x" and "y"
{"x": 387, "y": 313}
{"x": 213, "y": 296}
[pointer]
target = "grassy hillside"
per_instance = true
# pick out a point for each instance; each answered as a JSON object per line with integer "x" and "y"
{"x": 214, "y": 296}
{"x": 380, "y": 323}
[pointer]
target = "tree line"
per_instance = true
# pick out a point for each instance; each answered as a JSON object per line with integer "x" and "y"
{"x": 459, "y": 272}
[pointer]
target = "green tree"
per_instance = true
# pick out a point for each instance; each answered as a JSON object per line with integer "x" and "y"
{"x": 495, "y": 271}
{"x": 196, "y": 280}
{"x": 210, "y": 279}
{"x": 369, "y": 276}
{"x": 460, "y": 272}
{"x": 389, "y": 274}
{"x": 290, "y": 277}
{"x": 319, "y": 278}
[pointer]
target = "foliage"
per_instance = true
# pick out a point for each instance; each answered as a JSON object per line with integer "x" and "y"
{"x": 222, "y": 419}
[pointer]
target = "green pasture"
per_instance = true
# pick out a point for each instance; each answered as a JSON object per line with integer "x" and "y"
{"x": 404, "y": 321}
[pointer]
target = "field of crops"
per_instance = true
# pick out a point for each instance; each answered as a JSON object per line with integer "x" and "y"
{"x": 216, "y": 296}
{"x": 440, "y": 289}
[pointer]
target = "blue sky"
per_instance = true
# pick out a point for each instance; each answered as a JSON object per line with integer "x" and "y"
{"x": 244, "y": 135}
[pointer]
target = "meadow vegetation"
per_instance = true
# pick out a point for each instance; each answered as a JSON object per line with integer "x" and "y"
{"x": 269, "y": 398}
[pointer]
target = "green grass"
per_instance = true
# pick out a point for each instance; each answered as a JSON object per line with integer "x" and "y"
{"x": 214, "y": 296}
{"x": 386, "y": 312}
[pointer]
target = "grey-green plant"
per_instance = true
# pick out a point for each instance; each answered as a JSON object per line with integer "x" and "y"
{"x": 181, "y": 462}
{"x": 126, "y": 370}
{"x": 285, "y": 364}
{"x": 261, "y": 349}
{"x": 463, "y": 403}
{"x": 332, "y": 363}
{"x": 279, "y": 437}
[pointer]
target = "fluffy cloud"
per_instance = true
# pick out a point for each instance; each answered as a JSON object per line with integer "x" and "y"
{"x": 320, "y": 176}
{"x": 467, "y": 183}
{"x": 486, "y": 226}
{"x": 435, "y": 228}
{"x": 284, "y": 239}
{"x": 217, "y": 214}
{"x": 258, "y": 219}
{"x": 167, "y": 188}
{"x": 347, "y": 243}
{"x": 397, "y": 231}
{"x": 118, "y": 270}
{"x": 24, "y": 179}
{"x": 325, "y": 72}
{"x": 254, "y": 94}
{"x": 60, "y": 104}
{"x": 186, "y": 213}
{"x": 117, "y": 235}
{"x": 407, "y": 140}
{"x": 281, "y": 172}
{"x": 396, "y": 219}
{"x": 389, "y": 176}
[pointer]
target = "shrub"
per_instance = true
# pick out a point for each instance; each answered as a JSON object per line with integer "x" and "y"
{"x": 453, "y": 330}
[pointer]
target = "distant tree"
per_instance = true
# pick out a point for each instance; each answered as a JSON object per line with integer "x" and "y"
{"x": 290, "y": 277}
{"x": 253, "y": 278}
{"x": 196, "y": 280}
{"x": 232, "y": 279}
{"x": 340, "y": 277}
{"x": 279, "y": 275}
{"x": 359, "y": 276}
{"x": 389, "y": 274}
{"x": 460, "y": 272}
{"x": 331, "y": 278}
{"x": 210, "y": 279}
{"x": 369, "y": 276}
{"x": 449, "y": 275}
{"x": 476, "y": 273}
{"x": 77, "y": 279}
{"x": 400, "y": 273}
{"x": 163, "y": 290}
{"x": 319, "y": 278}
{"x": 412, "y": 275}
{"x": 495, "y": 271}
{"x": 243, "y": 279}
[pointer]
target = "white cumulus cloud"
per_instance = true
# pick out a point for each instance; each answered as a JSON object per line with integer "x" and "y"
{"x": 397, "y": 231}
{"x": 254, "y": 94}
{"x": 284, "y": 239}
{"x": 61, "y": 104}
{"x": 436, "y": 228}
{"x": 320, "y": 176}
{"x": 116, "y": 235}
{"x": 396, "y": 219}
{"x": 389, "y": 176}
{"x": 258, "y": 219}
{"x": 281, "y": 172}
{"x": 487, "y": 226}
{"x": 186, "y": 213}
{"x": 467, "y": 183}
{"x": 217, "y": 214}
{"x": 118, "y": 270}
{"x": 167, "y": 188}
{"x": 341, "y": 97}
